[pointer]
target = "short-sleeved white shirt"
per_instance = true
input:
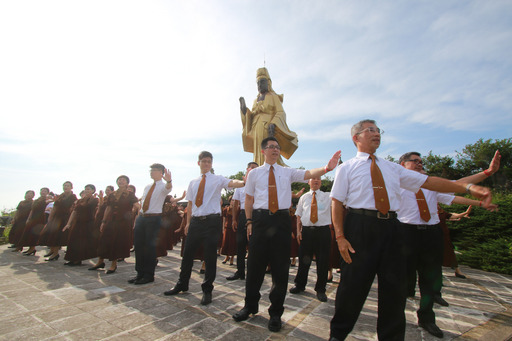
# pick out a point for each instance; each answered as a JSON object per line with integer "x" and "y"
{"x": 156, "y": 202}
{"x": 353, "y": 182}
{"x": 240, "y": 196}
{"x": 257, "y": 185}
{"x": 409, "y": 212}
{"x": 212, "y": 194}
{"x": 323, "y": 201}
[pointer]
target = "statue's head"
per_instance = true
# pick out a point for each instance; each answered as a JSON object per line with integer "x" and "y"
{"x": 263, "y": 80}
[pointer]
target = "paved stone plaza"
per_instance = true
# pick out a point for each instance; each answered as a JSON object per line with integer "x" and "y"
{"x": 48, "y": 301}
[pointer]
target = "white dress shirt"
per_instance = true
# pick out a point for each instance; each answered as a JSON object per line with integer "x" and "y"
{"x": 156, "y": 202}
{"x": 323, "y": 202}
{"x": 212, "y": 194}
{"x": 240, "y": 196}
{"x": 257, "y": 185}
{"x": 353, "y": 182}
{"x": 409, "y": 212}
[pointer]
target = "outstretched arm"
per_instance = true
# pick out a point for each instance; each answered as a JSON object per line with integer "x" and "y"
{"x": 318, "y": 172}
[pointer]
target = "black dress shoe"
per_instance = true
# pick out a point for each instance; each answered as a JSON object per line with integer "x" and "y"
{"x": 458, "y": 275}
{"x": 48, "y": 254}
{"x": 441, "y": 301}
{"x": 99, "y": 266}
{"x": 134, "y": 279}
{"x": 296, "y": 290}
{"x": 144, "y": 280}
{"x": 243, "y": 314}
{"x": 202, "y": 271}
{"x": 207, "y": 298}
{"x": 431, "y": 328}
{"x": 110, "y": 271}
{"x": 334, "y": 339}
{"x": 235, "y": 277}
{"x": 49, "y": 259}
{"x": 12, "y": 246}
{"x": 274, "y": 324}
{"x": 176, "y": 290}
{"x": 322, "y": 297}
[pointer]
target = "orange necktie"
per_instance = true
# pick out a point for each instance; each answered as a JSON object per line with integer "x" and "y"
{"x": 379, "y": 187}
{"x": 145, "y": 205}
{"x": 422, "y": 205}
{"x": 273, "y": 205}
{"x": 314, "y": 209}
{"x": 200, "y": 191}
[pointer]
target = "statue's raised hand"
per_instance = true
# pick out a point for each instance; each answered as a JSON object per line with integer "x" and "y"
{"x": 243, "y": 107}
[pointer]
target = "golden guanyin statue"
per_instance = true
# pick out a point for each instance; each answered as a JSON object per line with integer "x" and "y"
{"x": 267, "y": 118}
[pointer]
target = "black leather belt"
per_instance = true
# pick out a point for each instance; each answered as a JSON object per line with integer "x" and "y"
{"x": 422, "y": 226}
{"x": 270, "y": 213}
{"x": 314, "y": 227}
{"x": 204, "y": 217}
{"x": 151, "y": 214}
{"x": 373, "y": 213}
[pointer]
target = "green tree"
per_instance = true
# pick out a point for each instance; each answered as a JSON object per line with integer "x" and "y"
{"x": 442, "y": 166}
{"x": 476, "y": 157}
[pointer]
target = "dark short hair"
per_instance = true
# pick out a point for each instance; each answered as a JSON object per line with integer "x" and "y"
{"x": 132, "y": 186}
{"x": 110, "y": 187}
{"x": 252, "y": 163}
{"x": 407, "y": 156}
{"x": 158, "y": 166}
{"x": 265, "y": 141}
{"x": 91, "y": 187}
{"x": 67, "y": 182}
{"x": 204, "y": 154}
{"x": 46, "y": 188}
{"x": 30, "y": 191}
{"x": 123, "y": 176}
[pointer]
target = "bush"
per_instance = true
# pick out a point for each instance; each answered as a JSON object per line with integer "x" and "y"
{"x": 485, "y": 240}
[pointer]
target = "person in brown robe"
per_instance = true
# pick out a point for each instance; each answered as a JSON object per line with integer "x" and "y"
{"x": 20, "y": 220}
{"x": 114, "y": 241}
{"x": 52, "y": 234}
{"x": 35, "y": 223}
{"x": 82, "y": 242}
{"x": 228, "y": 247}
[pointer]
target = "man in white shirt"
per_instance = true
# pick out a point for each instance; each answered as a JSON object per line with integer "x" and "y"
{"x": 314, "y": 236}
{"x": 239, "y": 221}
{"x": 424, "y": 242}
{"x": 204, "y": 225}
{"x": 148, "y": 224}
{"x": 370, "y": 238}
{"x": 268, "y": 197}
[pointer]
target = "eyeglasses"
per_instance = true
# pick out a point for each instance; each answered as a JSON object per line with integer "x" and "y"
{"x": 372, "y": 130}
{"x": 416, "y": 161}
{"x": 273, "y": 146}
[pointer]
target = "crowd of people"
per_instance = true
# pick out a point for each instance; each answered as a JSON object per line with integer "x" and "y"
{"x": 381, "y": 217}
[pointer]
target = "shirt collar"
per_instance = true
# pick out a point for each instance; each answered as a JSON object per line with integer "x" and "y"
{"x": 267, "y": 166}
{"x": 364, "y": 155}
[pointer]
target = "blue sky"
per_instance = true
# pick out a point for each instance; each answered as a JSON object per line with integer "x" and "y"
{"x": 91, "y": 90}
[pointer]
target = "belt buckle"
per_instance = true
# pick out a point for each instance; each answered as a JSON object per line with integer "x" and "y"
{"x": 383, "y": 216}
{"x": 270, "y": 212}
{"x": 421, "y": 227}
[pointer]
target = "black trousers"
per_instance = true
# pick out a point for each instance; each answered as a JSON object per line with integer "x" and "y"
{"x": 144, "y": 240}
{"x": 241, "y": 243}
{"x": 204, "y": 231}
{"x": 316, "y": 241}
{"x": 424, "y": 254}
{"x": 378, "y": 251}
{"x": 269, "y": 244}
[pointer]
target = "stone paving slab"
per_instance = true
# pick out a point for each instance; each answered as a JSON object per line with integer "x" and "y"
{"x": 48, "y": 301}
